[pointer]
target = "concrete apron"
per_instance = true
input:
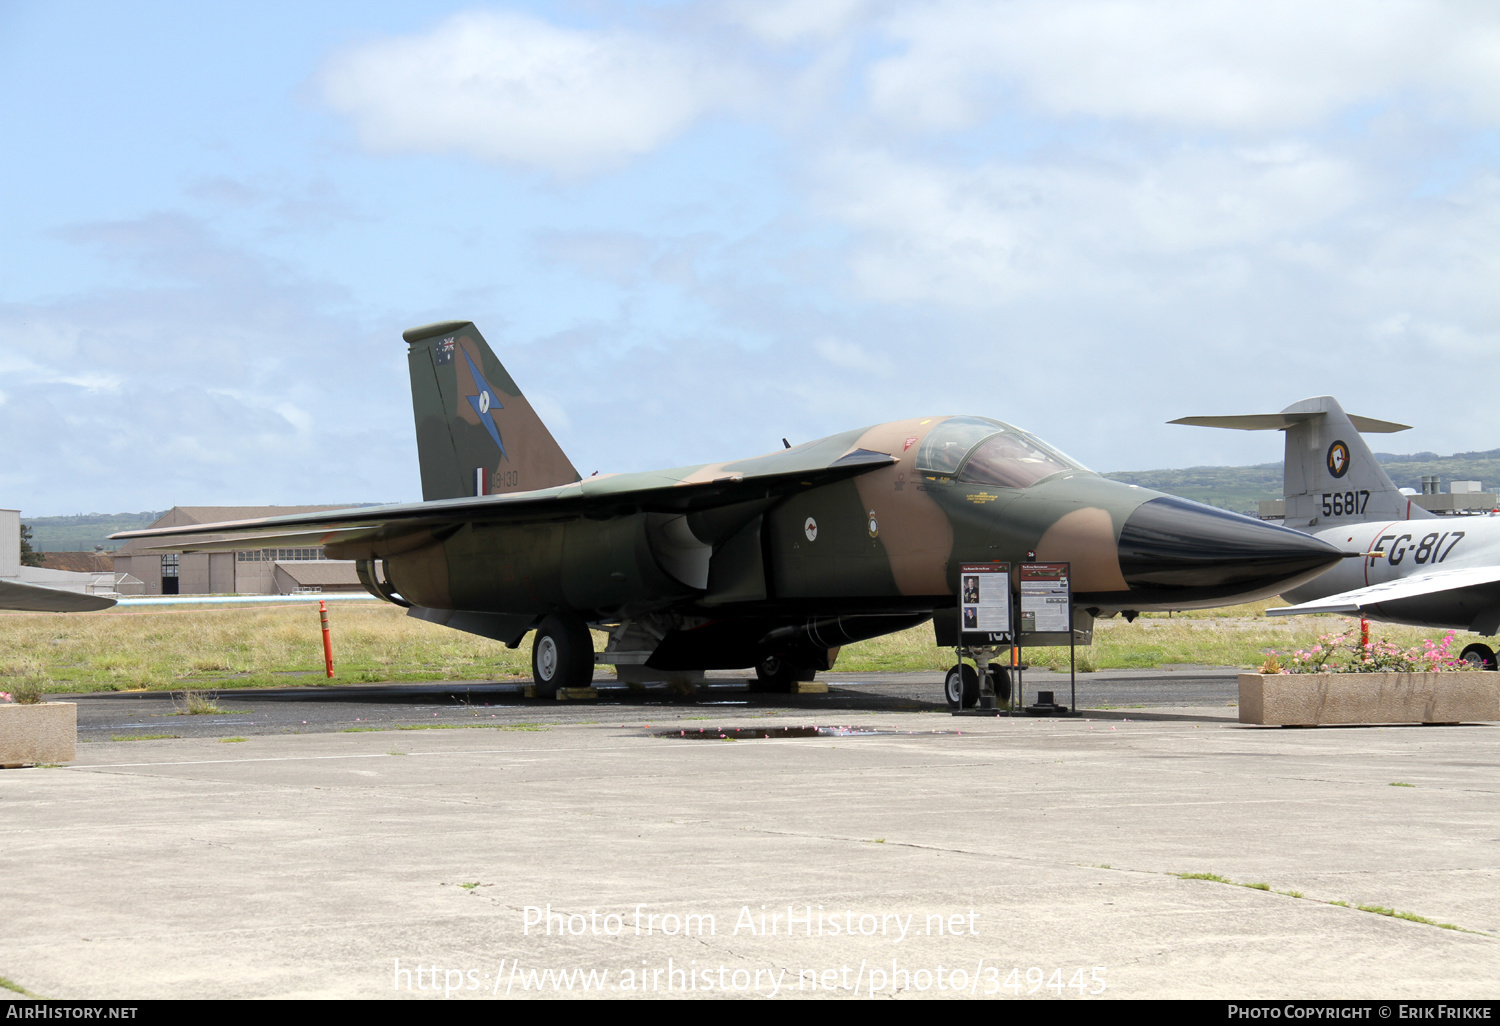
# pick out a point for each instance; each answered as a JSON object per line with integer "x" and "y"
{"x": 329, "y": 865}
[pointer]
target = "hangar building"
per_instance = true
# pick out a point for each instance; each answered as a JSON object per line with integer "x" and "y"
{"x": 281, "y": 571}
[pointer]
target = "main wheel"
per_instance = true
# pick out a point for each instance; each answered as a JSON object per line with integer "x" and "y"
{"x": 562, "y": 655}
{"x": 961, "y": 687}
{"x": 1479, "y": 655}
{"x": 1000, "y": 679}
{"x": 775, "y": 675}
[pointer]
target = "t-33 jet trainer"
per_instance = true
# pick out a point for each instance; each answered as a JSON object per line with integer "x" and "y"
{"x": 772, "y": 562}
{"x": 1417, "y": 568}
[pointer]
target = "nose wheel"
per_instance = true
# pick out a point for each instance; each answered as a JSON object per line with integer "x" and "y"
{"x": 1000, "y": 680}
{"x": 961, "y": 687}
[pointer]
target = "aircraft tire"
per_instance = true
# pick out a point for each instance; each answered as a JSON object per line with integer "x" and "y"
{"x": 961, "y": 687}
{"x": 1000, "y": 679}
{"x": 562, "y": 655}
{"x": 775, "y": 675}
{"x": 1479, "y": 655}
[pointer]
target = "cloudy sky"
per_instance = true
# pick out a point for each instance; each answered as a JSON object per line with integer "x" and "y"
{"x": 692, "y": 228}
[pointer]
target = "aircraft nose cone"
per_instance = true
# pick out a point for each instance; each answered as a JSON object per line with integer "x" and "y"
{"x": 1171, "y": 546}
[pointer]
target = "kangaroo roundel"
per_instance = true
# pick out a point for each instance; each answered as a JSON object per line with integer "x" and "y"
{"x": 1338, "y": 459}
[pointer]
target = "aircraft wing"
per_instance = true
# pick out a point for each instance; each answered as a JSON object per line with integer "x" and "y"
{"x": 378, "y": 531}
{"x": 1415, "y": 586}
{"x": 35, "y": 598}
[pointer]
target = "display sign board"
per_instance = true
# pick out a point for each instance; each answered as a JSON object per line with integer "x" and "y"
{"x": 984, "y": 603}
{"x": 1046, "y": 599}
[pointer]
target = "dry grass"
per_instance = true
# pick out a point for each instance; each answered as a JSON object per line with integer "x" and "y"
{"x": 197, "y": 703}
{"x": 1240, "y": 636}
{"x": 225, "y": 648}
{"x": 230, "y": 648}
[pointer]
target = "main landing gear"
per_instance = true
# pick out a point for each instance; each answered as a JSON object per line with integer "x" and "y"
{"x": 1479, "y": 655}
{"x": 562, "y": 655}
{"x": 776, "y": 675}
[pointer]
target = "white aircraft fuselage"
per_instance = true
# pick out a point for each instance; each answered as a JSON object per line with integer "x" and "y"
{"x": 1403, "y": 563}
{"x": 1398, "y": 550}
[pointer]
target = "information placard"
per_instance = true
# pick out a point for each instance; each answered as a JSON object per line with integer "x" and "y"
{"x": 1046, "y": 599}
{"x": 984, "y": 603}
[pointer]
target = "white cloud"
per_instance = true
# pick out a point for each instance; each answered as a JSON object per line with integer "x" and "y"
{"x": 505, "y": 87}
{"x": 1228, "y": 65}
{"x": 791, "y": 21}
{"x": 982, "y": 236}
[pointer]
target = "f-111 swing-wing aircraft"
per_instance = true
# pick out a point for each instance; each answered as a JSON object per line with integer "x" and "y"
{"x": 771, "y": 562}
{"x": 1417, "y": 568}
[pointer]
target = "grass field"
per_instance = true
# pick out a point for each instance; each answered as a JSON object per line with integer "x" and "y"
{"x": 277, "y": 646}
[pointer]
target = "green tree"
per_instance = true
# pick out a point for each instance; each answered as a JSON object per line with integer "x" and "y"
{"x": 29, "y": 556}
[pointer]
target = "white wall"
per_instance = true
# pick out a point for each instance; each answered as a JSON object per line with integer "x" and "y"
{"x": 10, "y": 542}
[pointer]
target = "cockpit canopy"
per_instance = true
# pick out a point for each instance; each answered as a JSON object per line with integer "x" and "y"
{"x": 978, "y": 450}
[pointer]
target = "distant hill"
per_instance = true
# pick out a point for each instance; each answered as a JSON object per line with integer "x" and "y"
{"x": 1236, "y": 488}
{"x": 80, "y": 533}
{"x": 1240, "y": 488}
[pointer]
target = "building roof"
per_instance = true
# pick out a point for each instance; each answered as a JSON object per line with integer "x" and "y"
{"x": 320, "y": 573}
{"x": 79, "y": 562}
{"x": 184, "y": 516}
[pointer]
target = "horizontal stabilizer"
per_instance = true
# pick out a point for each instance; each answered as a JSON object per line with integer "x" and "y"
{"x": 1395, "y": 591}
{"x": 1282, "y": 421}
{"x": 1328, "y": 471}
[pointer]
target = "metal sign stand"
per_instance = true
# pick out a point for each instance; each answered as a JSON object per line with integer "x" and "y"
{"x": 1047, "y": 609}
{"x": 985, "y": 631}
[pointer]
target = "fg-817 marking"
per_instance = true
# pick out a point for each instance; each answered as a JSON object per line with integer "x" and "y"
{"x": 1430, "y": 549}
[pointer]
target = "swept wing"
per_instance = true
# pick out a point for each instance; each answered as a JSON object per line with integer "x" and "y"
{"x": 378, "y": 531}
{"x": 1477, "y": 588}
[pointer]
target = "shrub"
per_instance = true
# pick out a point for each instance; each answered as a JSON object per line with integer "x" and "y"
{"x": 1343, "y": 653}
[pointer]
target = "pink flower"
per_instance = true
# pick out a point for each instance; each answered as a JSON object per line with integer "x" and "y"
{"x": 4, "y": 696}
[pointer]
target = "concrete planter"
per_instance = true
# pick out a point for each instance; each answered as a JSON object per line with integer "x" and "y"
{"x": 38, "y": 733}
{"x": 1306, "y": 699}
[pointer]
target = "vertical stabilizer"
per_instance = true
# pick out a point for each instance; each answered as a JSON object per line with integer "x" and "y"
{"x": 476, "y": 433}
{"x": 1329, "y": 476}
{"x": 1329, "y": 468}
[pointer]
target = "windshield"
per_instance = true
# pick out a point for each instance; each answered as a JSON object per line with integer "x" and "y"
{"x": 946, "y": 445}
{"x": 983, "y": 451}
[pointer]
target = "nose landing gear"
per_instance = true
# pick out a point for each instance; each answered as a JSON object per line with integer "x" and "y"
{"x": 962, "y": 686}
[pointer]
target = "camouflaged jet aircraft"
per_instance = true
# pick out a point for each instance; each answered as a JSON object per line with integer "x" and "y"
{"x": 1417, "y": 568}
{"x": 772, "y": 562}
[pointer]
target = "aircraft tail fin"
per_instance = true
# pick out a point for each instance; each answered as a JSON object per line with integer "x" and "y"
{"x": 476, "y": 433}
{"x": 1330, "y": 475}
